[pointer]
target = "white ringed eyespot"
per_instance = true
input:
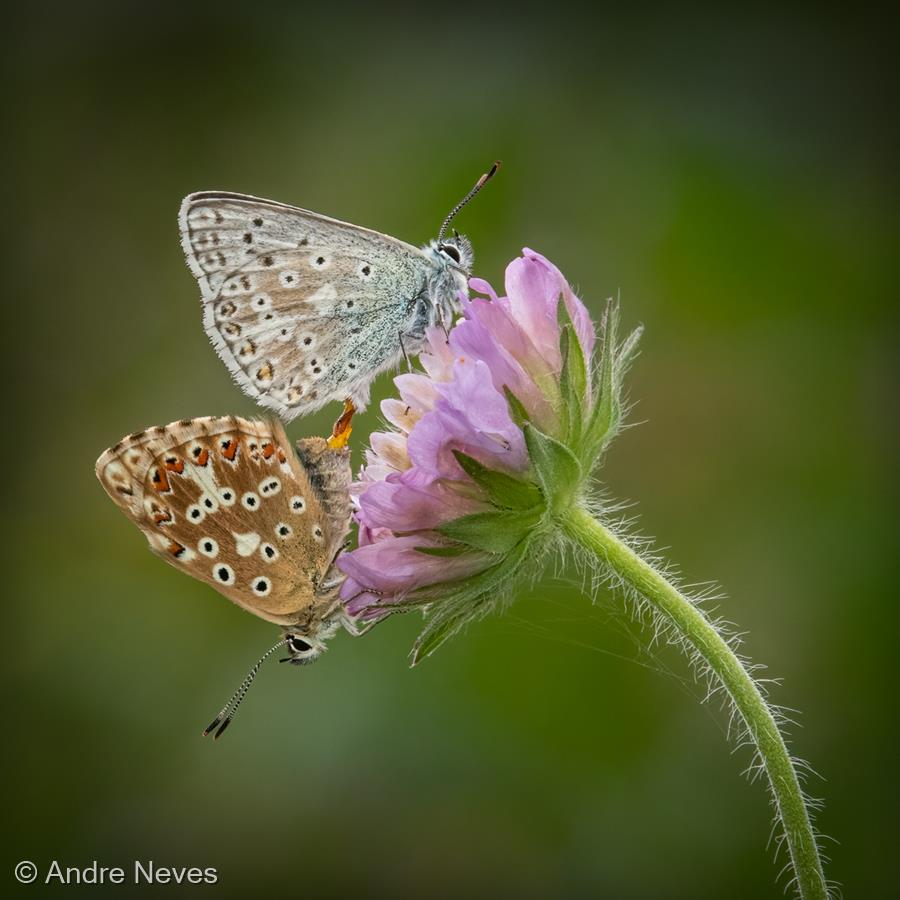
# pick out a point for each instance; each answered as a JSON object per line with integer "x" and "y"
{"x": 270, "y": 486}
{"x": 195, "y": 514}
{"x": 208, "y": 547}
{"x": 223, "y": 573}
{"x": 268, "y": 552}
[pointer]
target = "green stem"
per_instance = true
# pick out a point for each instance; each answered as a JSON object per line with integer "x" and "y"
{"x": 692, "y": 625}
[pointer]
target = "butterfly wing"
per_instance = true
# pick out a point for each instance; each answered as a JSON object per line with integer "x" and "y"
{"x": 227, "y": 500}
{"x": 303, "y": 309}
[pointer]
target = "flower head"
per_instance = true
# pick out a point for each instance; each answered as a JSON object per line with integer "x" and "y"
{"x": 496, "y": 437}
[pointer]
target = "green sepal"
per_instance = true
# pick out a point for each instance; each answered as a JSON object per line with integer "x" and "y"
{"x": 466, "y": 589}
{"x": 558, "y": 470}
{"x": 604, "y": 420}
{"x": 497, "y": 531}
{"x": 476, "y": 595}
{"x": 503, "y": 491}
{"x": 452, "y": 550}
{"x": 627, "y": 352}
{"x": 434, "y": 634}
{"x": 565, "y": 410}
{"x": 572, "y": 384}
{"x": 574, "y": 364}
{"x": 517, "y": 411}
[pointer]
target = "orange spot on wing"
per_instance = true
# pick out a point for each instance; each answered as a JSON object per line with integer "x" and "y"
{"x": 175, "y": 548}
{"x": 281, "y": 456}
{"x": 229, "y": 450}
{"x": 267, "y": 450}
{"x": 161, "y": 481}
{"x": 173, "y": 464}
{"x": 162, "y": 517}
{"x": 203, "y": 457}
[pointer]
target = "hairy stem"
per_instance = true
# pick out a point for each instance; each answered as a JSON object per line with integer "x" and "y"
{"x": 692, "y": 625}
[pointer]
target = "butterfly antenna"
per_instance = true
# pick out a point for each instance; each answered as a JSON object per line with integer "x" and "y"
{"x": 478, "y": 186}
{"x": 226, "y": 714}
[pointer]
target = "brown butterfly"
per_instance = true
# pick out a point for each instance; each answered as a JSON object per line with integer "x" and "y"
{"x": 227, "y": 501}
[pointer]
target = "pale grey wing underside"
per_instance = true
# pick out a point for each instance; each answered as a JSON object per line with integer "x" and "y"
{"x": 303, "y": 309}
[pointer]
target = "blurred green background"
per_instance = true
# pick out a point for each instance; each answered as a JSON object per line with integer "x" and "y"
{"x": 733, "y": 176}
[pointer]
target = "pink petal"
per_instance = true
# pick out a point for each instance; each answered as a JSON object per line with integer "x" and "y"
{"x": 391, "y": 449}
{"x": 394, "y": 566}
{"x": 416, "y": 390}
{"x": 413, "y": 503}
{"x": 401, "y": 415}
{"x": 578, "y": 313}
{"x": 471, "y": 416}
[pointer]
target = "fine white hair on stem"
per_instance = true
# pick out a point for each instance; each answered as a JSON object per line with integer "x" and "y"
{"x": 705, "y": 597}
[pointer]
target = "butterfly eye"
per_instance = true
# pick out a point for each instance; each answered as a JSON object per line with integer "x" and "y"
{"x": 298, "y": 645}
{"x": 451, "y": 251}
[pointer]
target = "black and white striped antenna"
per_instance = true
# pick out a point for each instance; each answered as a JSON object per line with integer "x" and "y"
{"x": 226, "y": 714}
{"x": 478, "y": 186}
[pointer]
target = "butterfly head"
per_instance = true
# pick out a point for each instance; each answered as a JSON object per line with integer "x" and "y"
{"x": 302, "y": 649}
{"x": 456, "y": 251}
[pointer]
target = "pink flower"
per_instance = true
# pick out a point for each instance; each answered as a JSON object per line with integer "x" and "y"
{"x": 453, "y": 501}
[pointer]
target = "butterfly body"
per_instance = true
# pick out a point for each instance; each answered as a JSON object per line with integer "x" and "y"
{"x": 227, "y": 501}
{"x": 305, "y": 309}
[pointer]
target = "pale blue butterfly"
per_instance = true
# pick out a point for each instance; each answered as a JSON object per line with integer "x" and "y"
{"x": 304, "y": 309}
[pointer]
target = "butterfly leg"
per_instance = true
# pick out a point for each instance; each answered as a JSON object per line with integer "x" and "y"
{"x": 343, "y": 428}
{"x": 409, "y": 367}
{"x": 354, "y": 629}
{"x": 333, "y": 577}
{"x": 442, "y": 322}
{"x": 352, "y": 625}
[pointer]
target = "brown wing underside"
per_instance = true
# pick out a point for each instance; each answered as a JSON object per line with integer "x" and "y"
{"x": 227, "y": 501}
